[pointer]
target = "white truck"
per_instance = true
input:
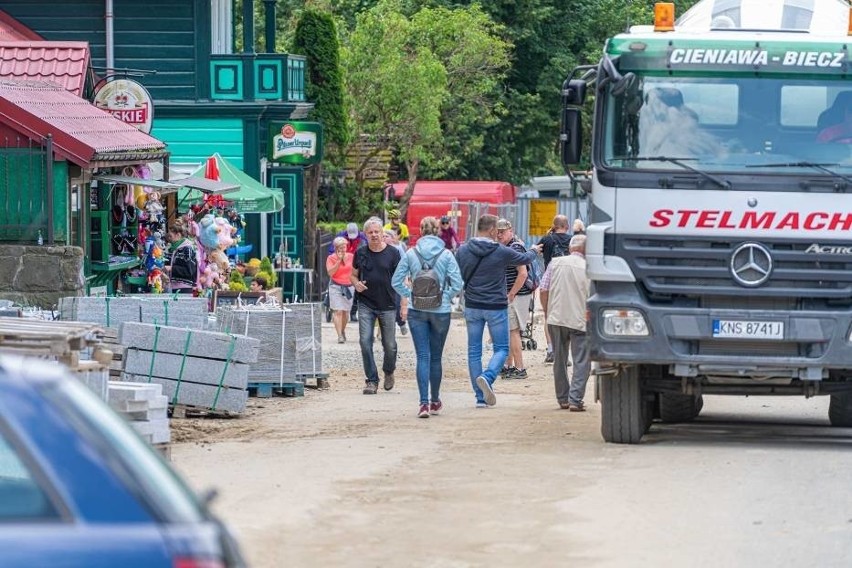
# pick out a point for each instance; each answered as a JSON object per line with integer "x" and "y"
{"x": 720, "y": 236}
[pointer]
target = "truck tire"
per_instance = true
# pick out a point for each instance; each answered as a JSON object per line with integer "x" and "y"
{"x": 840, "y": 410}
{"x": 649, "y": 409}
{"x": 679, "y": 407}
{"x": 623, "y": 409}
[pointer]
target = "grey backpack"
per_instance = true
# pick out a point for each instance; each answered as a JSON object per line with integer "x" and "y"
{"x": 426, "y": 290}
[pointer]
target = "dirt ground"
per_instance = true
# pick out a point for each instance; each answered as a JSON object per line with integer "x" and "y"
{"x": 338, "y": 478}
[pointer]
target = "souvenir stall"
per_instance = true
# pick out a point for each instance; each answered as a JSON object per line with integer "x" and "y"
{"x": 136, "y": 211}
{"x": 222, "y": 221}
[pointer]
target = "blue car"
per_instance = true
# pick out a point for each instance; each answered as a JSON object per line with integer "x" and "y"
{"x": 79, "y": 488}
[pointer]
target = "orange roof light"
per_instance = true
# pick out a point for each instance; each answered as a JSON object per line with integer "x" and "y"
{"x": 664, "y": 17}
{"x": 849, "y": 27}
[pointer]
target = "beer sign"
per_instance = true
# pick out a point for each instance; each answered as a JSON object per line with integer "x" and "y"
{"x": 298, "y": 143}
{"x": 128, "y": 101}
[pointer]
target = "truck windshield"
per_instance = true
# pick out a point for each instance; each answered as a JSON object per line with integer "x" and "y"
{"x": 732, "y": 125}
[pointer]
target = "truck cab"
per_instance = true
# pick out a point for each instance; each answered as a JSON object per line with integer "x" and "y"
{"x": 720, "y": 238}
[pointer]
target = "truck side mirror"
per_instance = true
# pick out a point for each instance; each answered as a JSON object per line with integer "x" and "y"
{"x": 573, "y": 92}
{"x": 571, "y": 137}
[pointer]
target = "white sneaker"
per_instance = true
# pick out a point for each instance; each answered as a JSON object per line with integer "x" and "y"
{"x": 487, "y": 391}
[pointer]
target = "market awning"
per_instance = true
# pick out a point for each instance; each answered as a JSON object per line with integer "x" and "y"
{"x": 252, "y": 197}
{"x": 81, "y": 133}
{"x": 165, "y": 186}
{"x": 205, "y": 185}
{"x": 209, "y": 185}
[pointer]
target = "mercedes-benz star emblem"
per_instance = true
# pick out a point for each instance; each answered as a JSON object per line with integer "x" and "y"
{"x": 751, "y": 264}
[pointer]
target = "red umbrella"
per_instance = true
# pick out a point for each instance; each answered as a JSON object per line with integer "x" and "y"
{"x": 211, "y": 170}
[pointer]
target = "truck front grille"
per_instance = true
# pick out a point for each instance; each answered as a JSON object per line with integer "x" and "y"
{"x": 701, "y": 267}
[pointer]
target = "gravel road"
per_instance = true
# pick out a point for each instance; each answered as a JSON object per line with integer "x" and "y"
{"x": 339, "y": 479}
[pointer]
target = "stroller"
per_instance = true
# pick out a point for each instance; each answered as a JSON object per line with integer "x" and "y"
{"x": 527, "y": 341}
{"x": 329, "y": 313}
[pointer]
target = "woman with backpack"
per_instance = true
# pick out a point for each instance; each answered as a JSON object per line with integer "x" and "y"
{"x": 434, "y": 280}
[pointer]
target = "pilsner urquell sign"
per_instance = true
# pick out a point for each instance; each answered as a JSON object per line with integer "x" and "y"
{"x": 295, "y": 142}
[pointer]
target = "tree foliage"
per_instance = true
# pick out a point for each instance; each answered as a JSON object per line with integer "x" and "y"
{"x": 419, "y": 84}
{"x": 316, "y": 39}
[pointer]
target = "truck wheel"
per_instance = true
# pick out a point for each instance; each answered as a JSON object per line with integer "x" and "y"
{"x": 623, "y": 415}
{"x": 679, "y": 407}
{"x": 650, "y": 410}
{"x": 840, "y": 410}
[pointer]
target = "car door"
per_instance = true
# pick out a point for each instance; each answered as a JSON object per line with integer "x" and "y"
{"x": 41, "y": 522}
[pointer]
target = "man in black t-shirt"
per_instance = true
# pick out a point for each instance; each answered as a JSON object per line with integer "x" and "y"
{"x": 554, "y": 244}
{"x": 372, "y": 270}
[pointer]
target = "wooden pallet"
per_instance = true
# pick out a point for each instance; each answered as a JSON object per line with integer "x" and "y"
{"x": 61, "y": 340}
{"x": 320, "y": 378}
{"x": 189, "y": 411}
{"x": 266, "y": 390}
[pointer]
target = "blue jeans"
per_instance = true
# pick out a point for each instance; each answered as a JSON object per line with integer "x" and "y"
{"x": 498, "y": 327}
{"x": 429, "y": 333}
{"x": 366, "y": 323}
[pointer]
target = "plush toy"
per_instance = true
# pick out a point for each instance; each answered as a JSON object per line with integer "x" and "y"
{"x": 155, "y": 281}
{"x": 208, "y": 232}
{"x": 153, "y": 208}
{"x": 218, "y": 258}
{"x": 209, "y": 276}
{"x": 225, "y": 233}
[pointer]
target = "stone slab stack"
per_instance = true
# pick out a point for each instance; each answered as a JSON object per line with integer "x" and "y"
{"x": 104, "y": 311}
{"x": 144, "y": 406}
{"x": 111, "y": 312}
{"x": 200, "y": 369}
{"x": 290, "y": 339}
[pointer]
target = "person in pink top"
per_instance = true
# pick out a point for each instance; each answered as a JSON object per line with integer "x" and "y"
{"x": 340, "y": 289}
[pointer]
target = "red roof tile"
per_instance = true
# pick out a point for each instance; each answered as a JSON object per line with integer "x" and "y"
{"x": 81, "y": 132}
{"x": 13, "y": 30}
{"x": 62, "y": 62}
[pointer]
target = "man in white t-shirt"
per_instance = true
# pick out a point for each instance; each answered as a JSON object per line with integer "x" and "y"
{"x": 564, "y": 291}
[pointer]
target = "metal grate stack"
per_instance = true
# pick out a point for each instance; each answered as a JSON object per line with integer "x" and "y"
{"x": 290, "y": 339}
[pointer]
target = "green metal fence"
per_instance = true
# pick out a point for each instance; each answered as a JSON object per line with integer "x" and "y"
{"x": 23, "y": 196}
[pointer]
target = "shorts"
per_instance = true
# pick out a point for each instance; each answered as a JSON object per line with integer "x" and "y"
{"x": 337, "y": 299}
{"x": 519, "y": 312}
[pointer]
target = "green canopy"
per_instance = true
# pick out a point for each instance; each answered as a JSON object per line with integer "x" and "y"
{"x": 252, "y": 197}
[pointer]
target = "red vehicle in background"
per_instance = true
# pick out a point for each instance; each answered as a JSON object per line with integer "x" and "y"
{"x": 451, "y": 198}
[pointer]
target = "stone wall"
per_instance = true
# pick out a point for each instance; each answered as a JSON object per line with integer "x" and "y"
{"x": 40, "y": 275}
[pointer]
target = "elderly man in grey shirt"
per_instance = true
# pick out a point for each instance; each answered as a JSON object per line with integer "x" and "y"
{"x": 564, "y": 291}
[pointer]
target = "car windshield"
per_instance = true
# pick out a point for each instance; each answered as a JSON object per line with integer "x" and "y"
{"x": 732, "y": 125}
{"x": 168, "y": 497}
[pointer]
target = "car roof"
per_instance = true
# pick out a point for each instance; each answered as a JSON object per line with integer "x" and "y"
{"x": 15, "y": 368}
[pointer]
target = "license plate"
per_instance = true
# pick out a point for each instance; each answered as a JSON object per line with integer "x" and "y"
{"x": 745, "y": 329}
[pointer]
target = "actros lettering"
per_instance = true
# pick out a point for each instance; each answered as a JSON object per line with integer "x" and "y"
{"x": 828, "y": 249}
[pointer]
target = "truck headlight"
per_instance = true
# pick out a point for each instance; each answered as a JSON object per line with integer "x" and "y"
{"x": 624, "y": 323}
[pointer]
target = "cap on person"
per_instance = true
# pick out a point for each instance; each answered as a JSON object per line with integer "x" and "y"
{"x": 393, "y": 214}
{"x": 503, "y": 224}
{"x": 352, "y": 230}
{"x": 445, "y": 219}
